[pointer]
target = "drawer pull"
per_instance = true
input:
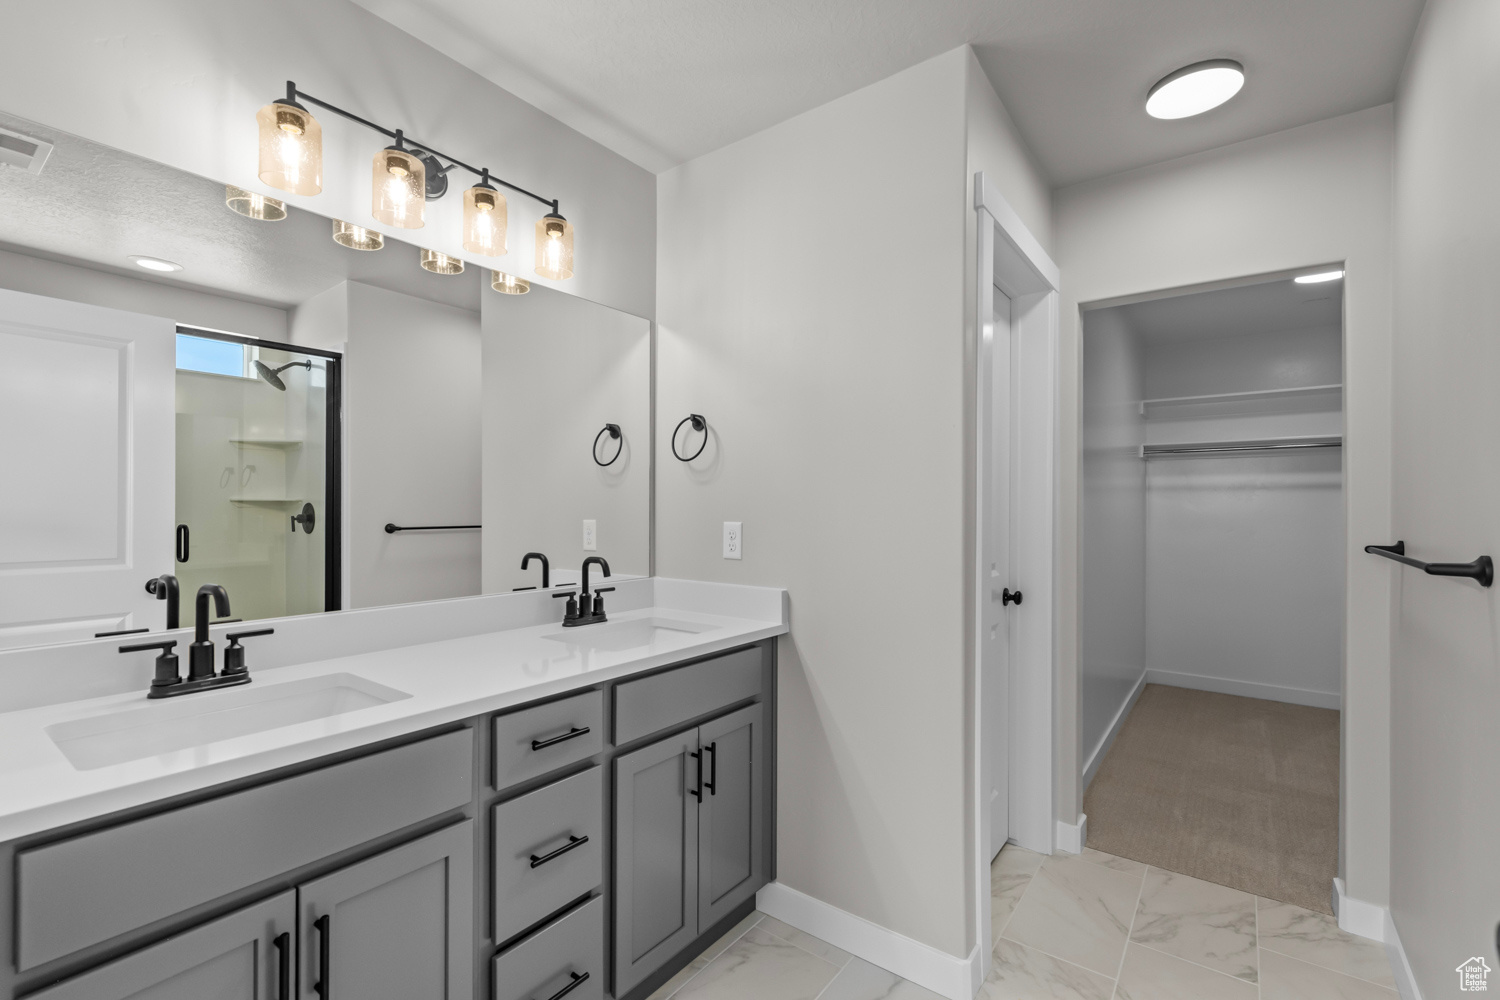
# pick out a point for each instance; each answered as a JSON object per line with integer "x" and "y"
{"x": 325, "y": 942}
{"x": 697, "y": 793}
{"x": 283, "y": 943}
{"x": 554, "y": 741}
{"x": 713, "y": 771}
{"x": 579, "y": 978}
{"x": 573, "y": 842}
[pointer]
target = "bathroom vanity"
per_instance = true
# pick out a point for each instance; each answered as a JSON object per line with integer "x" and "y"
{"x": 494, "y": 818}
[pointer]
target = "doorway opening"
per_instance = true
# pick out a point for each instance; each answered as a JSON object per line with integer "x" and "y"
{"x": 1212, "y": 584}
{"x": 257, "y": 473}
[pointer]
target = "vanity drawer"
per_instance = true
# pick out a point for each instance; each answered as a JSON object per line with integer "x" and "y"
{"x": 542, "y": 738}
{"x": 80, "y": 892}
{"x": 536, "y": 869}
{"x": 549, "y": 961}
{"x": 654, "y": 703}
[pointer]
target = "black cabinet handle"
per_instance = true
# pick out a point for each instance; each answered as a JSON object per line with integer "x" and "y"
{"x": 698, "y": 792}
{"x": 537, "y": 862}
{"x": 283, "y": 943}
{"x": 579, "y": 978}
{"x": 713, "y": 770}
{"x": 325, "y": 941}
{"x": 554, "y": 741}
{"x": 1008, "y": 596}
{"x": 182, "y": 543}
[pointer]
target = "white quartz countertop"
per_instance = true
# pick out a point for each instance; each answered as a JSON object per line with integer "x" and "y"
{"x": 445, "y": 681}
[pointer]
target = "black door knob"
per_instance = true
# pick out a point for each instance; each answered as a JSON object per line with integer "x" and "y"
{"x": 1008, "y": 596}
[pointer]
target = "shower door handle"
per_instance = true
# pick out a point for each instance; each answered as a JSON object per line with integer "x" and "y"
{"x": 182, "y": 543}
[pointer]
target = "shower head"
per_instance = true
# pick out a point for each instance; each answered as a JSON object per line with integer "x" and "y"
{"x": 273, "y": 375}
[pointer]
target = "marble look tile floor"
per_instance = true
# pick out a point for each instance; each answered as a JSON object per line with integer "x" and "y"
{"x": 1089, "y": 926}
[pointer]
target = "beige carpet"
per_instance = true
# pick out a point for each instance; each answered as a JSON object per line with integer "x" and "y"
{"x": 1238, "y": 791}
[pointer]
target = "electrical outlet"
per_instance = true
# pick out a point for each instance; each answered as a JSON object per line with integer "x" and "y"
{"x": 733, "y": 540}
{"x": 590, "y": 536}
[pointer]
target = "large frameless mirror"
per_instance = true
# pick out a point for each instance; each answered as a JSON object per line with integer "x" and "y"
{"x": 203, "y": 385}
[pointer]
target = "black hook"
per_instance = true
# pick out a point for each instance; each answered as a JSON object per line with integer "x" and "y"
{"x": 613, "y": 430}
{"x": 699, "y": 424}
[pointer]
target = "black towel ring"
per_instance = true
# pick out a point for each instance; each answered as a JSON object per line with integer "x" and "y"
{"x": 613, "y": 430}
{"x": 699, "y": 424}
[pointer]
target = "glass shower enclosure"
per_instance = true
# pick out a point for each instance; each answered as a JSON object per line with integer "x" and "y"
{"x": 257, "y": 474}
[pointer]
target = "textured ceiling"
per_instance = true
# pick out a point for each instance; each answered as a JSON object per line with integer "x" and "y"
{"x": 662, "y": 81}
{"x": 1267, "y": 307}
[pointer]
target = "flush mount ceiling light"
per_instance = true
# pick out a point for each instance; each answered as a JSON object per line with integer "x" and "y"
{"x": 1195, "y": 89}
{"x": 347, "y": 234}
{"x": 155, "y": 263}
{"x": 253, "y": 206}
{"x": 441, "y": 263}
{"x": 404, "y": 177}
{"x": 509, "y": 284}
{"x": 1318, "y": 278}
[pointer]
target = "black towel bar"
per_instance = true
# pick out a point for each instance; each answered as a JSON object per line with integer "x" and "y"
{"x": 391, "y": 529}
{"x": 1481, "y": 569}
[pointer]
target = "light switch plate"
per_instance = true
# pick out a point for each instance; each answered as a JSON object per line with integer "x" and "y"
{"x": 733, "y": 540}
{"x": 590, "y": 536}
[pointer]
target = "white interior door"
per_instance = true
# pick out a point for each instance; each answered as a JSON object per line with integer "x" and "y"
{"x": 995, "y": 525}
{"x": 86, "y": 468}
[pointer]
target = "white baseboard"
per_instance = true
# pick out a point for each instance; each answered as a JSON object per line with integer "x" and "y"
{"x": 1357, "y": 916}
{"x": 938, "y": 971}
{"x": 1406, "y": 983}
{"x": 1072, "y": 836}
{"x": 1096, "y": 758}
{"x": 1248, "y": 689}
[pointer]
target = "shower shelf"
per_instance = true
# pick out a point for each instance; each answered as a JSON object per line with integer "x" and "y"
{"x": 286, "y": 443}
{"x": 1236, "y": 397}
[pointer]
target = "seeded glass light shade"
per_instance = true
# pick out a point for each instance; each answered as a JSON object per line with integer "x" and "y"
{"x": 509, "y": 284}
{"x": 291, "y": 148}
{"x": 441, "y": 263}
{"x": 484, "y": 221}
{"x": 554, "y": 247}
{"x": 398, "y": 189}
{"x": 347, "y": 234}
{"x": 252, "y": 205}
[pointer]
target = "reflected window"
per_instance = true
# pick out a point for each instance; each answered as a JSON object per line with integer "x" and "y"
{"x": 216, "y": 357}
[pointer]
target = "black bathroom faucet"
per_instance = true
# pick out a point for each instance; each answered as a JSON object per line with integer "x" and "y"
{"x": 201, "y": 652}
{"x": 165, "y": 588}
{"x": 588, "y": 609}
{"x": 168, "y": 683}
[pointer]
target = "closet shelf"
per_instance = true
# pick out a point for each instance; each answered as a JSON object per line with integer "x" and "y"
{"x": 1232, "y": 397}
{"x": 1296, "y": 443}
{"x": 286, "y": 443}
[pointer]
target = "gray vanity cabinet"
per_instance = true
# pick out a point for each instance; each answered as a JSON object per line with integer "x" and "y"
{"x": 246, "y": 955}
{"x": 730, "y": 827}
{"x": 395, "y": 926}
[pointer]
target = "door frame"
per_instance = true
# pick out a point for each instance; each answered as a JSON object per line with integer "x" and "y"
{"x": 1010, "y": 258}
{"x": 333, "y": 516}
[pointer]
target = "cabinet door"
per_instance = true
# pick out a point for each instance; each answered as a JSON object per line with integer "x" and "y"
{"x": 731, "y": 856}
{"x": 656, "y": 856}
{"x": 246, "y": 955}
{"x": 393, "y": 927}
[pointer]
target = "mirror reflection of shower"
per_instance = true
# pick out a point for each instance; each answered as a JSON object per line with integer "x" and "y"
{"x": 272, "y": 376}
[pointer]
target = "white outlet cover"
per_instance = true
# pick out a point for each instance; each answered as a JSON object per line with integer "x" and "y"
{"x": 590, "y": 536}
{"x": 734, "y": 540}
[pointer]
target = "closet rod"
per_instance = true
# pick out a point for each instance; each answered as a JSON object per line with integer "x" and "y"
{"x": 1232, "y": 447}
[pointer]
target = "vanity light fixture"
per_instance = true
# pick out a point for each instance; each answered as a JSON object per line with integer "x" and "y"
{"x": 554, "y": 246}
{"x": 291, "y": 146}
{"x": 509, "y": 284}
{"x": 1318, "y": 278}
{"x": 347, "y": 234}
{"x": 1195, "y": 89}
{"x": 405, "y": 176}
{"x": 441, "y": 263}
{"x": 252, "y": 205}
{"x": 155, "y": 263}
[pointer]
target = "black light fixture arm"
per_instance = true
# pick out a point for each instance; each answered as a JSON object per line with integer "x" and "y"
{"x": 293, "y": 95}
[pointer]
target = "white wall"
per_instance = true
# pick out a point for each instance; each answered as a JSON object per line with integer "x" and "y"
{"x": 411, "y": 440}
{"x": 1112, "y": 565}
{"x": 179, "y": 81}
{"x": 556, "y": 369}
{"x": 811, "y": 294}
{"x": 1310, "y": 195}
{"x": 1445, "y": 691}
{"x": 24, "y": 273}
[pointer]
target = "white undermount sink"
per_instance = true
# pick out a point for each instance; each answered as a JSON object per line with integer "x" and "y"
{"x": 617, "y": 636}
{"x": 196, "y": 720}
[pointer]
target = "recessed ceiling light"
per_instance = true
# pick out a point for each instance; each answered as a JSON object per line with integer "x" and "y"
{"x": 1195, "y": 89}
{"x": 1318, "y": 278}
{"x": 155, "y": 263}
